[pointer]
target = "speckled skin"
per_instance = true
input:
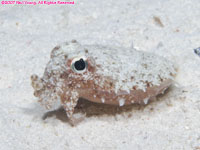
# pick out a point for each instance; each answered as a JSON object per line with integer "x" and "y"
{"x": 60, "y": 85}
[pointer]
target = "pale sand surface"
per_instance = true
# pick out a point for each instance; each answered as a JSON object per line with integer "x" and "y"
{"x": 28, "y": 34}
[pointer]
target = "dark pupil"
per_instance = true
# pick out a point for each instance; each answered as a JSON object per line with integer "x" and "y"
{"x": 79, "y": 65}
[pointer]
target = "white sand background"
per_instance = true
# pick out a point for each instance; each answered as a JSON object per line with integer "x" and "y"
{"x": 28, "y": 34}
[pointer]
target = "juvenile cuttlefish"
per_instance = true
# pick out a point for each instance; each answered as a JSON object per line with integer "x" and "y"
{"x": 109, "y": 75}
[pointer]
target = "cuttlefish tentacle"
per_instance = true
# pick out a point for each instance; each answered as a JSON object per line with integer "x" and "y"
{"x": 69, "y": 101}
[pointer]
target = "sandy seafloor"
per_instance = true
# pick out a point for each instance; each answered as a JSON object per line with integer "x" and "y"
{"x": 28, "y": 34}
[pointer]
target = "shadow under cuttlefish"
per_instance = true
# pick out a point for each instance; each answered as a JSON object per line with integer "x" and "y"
{"x": 91, "y": 109}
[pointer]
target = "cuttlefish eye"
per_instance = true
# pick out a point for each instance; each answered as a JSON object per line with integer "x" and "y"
{"x": 79, "y": 65}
